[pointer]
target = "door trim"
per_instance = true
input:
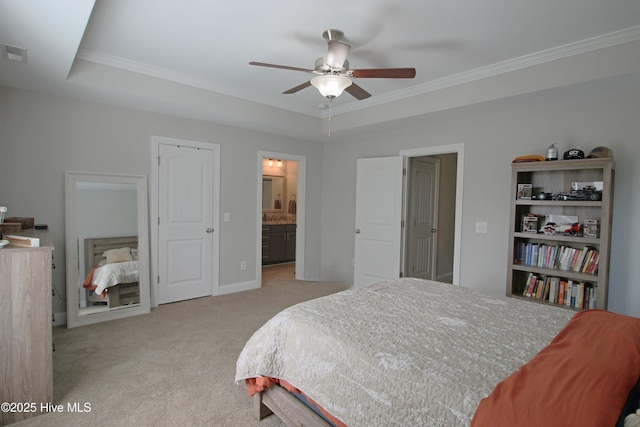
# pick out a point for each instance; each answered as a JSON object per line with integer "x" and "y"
{"x": 153, "y": 219}
{"x": 430, "y": 151}
{"x": 300, "y": 211}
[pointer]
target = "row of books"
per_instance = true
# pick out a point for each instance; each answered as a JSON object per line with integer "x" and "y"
{"x": 561, "y": 257}
{"x": 570, "y": 293}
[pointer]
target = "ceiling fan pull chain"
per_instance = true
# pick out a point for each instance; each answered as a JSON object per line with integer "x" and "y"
{"x": 329, "y": 119}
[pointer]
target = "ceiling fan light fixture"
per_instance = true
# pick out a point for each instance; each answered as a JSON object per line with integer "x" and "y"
{"x": 331, "y": 85}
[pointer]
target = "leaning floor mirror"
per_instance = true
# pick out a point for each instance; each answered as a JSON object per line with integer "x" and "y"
{"x": 107, "y": 249}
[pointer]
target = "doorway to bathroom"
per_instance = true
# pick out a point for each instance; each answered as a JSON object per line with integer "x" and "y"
{"x": 281, "y": 219}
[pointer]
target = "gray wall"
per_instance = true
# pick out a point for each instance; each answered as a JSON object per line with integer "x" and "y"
{"x": 44, "y": 135}
{"x": 493, "y": 137}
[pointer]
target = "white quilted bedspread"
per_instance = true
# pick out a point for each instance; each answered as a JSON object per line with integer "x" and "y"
{"x": 409, "y": 352}
{"x": 114, "y": 274}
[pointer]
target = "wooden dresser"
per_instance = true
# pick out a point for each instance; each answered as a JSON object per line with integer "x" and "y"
{"x": 26, "y": 375}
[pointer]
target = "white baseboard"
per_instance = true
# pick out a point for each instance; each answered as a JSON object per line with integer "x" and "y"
{"x": 238, "y": 287}
{"x": 59, "y": 319}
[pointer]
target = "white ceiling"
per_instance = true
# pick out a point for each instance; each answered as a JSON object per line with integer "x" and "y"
{"x": 191, "y": 57}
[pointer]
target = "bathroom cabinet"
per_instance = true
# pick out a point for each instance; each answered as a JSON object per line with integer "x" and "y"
{"x": 278, "y": 243}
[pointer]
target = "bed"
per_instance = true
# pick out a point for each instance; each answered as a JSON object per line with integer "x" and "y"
{"x": 418, "y": 352}
{"x": 112, "y": 271}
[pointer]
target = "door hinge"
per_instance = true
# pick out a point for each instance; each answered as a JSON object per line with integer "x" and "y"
{"x": 402, "y": 224}
{"x": 158, "y": 160}
{"x": 158, "y": 279}
{"x": 404, "y": 171}
{"x": 158, "y": 220}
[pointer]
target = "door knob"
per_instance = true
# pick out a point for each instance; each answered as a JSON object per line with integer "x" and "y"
{"x": 433, "y": 230}
{"x": 357, "y": 231}
{"x": 209, "y": 230}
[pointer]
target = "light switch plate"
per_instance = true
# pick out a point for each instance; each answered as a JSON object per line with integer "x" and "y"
{"x": 481, "y": 227}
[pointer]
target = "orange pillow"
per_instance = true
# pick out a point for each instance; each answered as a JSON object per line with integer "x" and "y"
{"x": 582, "y": 378}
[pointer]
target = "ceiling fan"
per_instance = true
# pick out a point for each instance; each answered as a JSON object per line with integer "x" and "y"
{"x": 333, "y": 73}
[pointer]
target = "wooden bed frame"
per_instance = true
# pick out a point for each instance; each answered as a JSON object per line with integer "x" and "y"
{"x": 276, "y": 400}
{"x": 119, "y": 295}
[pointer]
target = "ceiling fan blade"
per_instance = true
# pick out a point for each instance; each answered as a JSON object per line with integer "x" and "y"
{"x": 357, "y": 92}
{"x": 284, "y": 67}
{"x": 297, "y": 88}
{"x": 337, "y": 54}
{"x": 387, "y": 73}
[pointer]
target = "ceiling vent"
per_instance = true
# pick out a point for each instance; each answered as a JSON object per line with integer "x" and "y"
{"x": 14, "y": 53}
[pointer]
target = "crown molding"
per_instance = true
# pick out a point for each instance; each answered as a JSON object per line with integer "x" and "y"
{"x": 626, "y": 35}
{"x": 164, "y": 74}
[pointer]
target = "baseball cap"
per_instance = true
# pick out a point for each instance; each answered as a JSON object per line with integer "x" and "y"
{"x": 573, "y": 154}
{"x": 600, "y": 152}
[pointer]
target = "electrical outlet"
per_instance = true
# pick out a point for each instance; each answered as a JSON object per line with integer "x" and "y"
{"x": 243, "y": 265}
{"x": 481, "y": 227}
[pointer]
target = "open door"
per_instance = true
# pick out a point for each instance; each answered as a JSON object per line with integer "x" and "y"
{"x": 378, "y": 220}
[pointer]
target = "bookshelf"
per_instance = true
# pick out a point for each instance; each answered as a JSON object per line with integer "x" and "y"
{"x": 541, "y": 262}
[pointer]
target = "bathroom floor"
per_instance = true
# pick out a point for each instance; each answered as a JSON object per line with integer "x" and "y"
{"x": 278, "y": 272}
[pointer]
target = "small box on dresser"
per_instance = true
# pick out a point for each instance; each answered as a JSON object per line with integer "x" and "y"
{"x": 25, "y": 222}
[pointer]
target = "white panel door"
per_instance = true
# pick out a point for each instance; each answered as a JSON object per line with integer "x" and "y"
{"x": 378, "y": 220}
{"x": 185, "y": 230}
{"x": 423, "y": 218}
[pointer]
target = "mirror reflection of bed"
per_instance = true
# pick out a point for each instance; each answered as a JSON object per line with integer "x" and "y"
{"x": 111, "y": 265}
{"x": 106, "y": 218}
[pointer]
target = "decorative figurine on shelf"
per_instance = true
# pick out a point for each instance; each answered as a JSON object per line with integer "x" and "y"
{"x": 574, "y": 230}
{"x": 552, "y": 152}
{"x": 551, "y": 228}
{"x": 3, "y": 212}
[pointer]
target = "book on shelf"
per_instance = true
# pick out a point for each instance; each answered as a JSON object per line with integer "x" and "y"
{"x": 588, "y": 296}
{"x": 580, "y": 260}
{"x": 567, "y": 293}
{"x": 547, "y": 289}
{"x": 553, "y": 289}
{"x": 539, "y": 288}
{"x": 530, "y": 285}
{"x": 559, "y": 291}
{"x": 579, "y": 295}
{"x": 574, "y": 294}
{"x": 564, "y": 258}
{"x": 592, "y": 266}
{"x": 562, "y": 286}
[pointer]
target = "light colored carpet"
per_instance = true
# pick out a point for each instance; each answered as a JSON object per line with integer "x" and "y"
{"x": 172, "y": 367}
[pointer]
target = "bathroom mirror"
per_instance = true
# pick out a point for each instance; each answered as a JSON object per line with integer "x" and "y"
{"x": 273, "y": 193}
{"x": 107, "y": 249}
